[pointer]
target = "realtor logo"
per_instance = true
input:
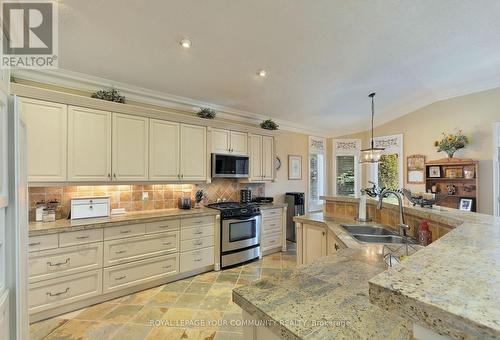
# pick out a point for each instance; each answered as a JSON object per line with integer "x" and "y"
{"x": 29, "y": 34}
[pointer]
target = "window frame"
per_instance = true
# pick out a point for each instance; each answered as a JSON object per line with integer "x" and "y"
{"x": 347, "y": 147}
{"x": 392, "y": 144}
{"x": 317, "y": 146}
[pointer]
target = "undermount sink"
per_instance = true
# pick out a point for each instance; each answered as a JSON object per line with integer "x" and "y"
{"x": 369, "y": 233}
{"x": 382, "y": 239}
{"x": 366, "y": 229}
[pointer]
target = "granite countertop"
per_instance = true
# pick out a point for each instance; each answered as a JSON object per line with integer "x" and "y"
{"x": 42, "y": 228}
{"x": 451, "y": 286}
{"x": 327, "y": 299}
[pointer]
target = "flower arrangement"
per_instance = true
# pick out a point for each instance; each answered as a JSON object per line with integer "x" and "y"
{"x": 269, "y": 125}
{"x": 451, "y": 143}
{"x": 206, "y": 113}
{"x": 110, "y": 95}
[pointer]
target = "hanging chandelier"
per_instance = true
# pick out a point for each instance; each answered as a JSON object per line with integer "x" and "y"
{"x": 373, "y": 154}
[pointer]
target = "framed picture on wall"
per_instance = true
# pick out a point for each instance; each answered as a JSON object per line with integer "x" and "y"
{"x": 294, "y": 167}
{"x": 415, "y": 165}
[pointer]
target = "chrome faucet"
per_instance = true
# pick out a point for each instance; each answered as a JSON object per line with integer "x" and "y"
{"x": 403, "y": 227}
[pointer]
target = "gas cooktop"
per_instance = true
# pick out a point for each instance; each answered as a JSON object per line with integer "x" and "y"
{"x": 235, "y": 209}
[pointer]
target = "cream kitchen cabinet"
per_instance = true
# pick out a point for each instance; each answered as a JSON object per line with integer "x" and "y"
{"x": 47, "y": 129}
{"x": 164, "y": 150}
{"x": 229, "y": 142}
{"x": 261, "y": 158}
{"x": 130, "y": 151}
{"x": 89, "y": 144}
{"x": 193, "y": 152}
{"x": 314, "y": 243}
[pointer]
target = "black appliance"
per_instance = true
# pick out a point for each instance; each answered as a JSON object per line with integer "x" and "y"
{"x": 226, "y": 166}
{"x": 263, "y": 200}
{"x": 295, "y": 201}
{"x": 245, "y": 196}
{"x": 240, "y": 232}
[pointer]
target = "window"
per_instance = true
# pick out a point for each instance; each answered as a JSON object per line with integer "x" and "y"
{"x": 317, "y": 171}
{"x": 388, "y": 172}
{"x": 346, "y": 168}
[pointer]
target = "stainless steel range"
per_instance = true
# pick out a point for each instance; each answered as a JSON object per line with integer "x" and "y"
{"x": 240, "y": 232}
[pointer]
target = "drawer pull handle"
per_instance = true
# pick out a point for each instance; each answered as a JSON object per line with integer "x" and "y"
{"x": 120, "y": 278}
{"x": 58, "y": 263}
{"x": 167, "y": 243}
{"x": 197, "y": 260}
{"x": 198, "y": 222}
{"x": 34, "y": 244}
{"x": 198, "y": 233}
{"x": 198, "y": 243}
{"x": 82, "y": 237}
{"x": 120, "y": 251}
{"x": 60, "y": 293}
{"x": 164, "y": 226}
{"x": 125, "y": 231}
{"x": 273, "y": 241}
{"x": 167, "y": 267}
{"x": 272, "y": 225}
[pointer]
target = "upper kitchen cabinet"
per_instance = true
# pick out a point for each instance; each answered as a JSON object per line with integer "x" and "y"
{"x": 164, "y": 150}
{"x": 89, "y": 144}
{"x": 47, "y": 129}
{"x": 229, "y": 142}
{"x": 130, "y": 148}
{"x": 193, "y": 153}
{"x": 261, "y": 158}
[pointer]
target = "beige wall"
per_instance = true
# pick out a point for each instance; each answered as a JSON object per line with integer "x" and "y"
{"x": 289, "y": 143}
{"x": 473, "y": 113}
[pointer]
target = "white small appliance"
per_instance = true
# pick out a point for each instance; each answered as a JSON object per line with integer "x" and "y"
{"x": 89, "y": 207}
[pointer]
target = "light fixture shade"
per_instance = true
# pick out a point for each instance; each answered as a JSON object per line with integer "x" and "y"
{"x": 371, "y": 155}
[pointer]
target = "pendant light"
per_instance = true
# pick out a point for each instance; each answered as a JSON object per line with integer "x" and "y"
{"x": 373, "y": 154}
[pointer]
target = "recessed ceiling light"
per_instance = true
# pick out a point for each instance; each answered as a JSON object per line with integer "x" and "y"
{"x": 262, "y": 73}
{"x": 185, "y": 43}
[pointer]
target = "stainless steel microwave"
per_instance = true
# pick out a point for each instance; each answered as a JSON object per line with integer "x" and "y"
{"x": 229, "y": 166}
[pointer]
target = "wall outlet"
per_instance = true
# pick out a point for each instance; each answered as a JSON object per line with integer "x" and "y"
{"x": 145, "y": 196}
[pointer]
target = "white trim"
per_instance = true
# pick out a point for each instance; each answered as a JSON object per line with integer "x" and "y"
{"x": 317, "y": 146}
{"x": 496, "y": 169}
{"x": 353, "y": 150}
{"x": 383, "y": 141}
{"x": 88, "y": 83}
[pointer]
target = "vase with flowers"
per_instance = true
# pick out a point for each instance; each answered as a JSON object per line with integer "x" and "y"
{"x": 450, "y": 143}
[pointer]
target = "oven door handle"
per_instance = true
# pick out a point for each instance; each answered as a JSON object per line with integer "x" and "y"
{"x": 243, "y": 218}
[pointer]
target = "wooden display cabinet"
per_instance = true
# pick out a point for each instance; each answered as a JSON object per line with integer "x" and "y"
{"x": 455, "y": 176}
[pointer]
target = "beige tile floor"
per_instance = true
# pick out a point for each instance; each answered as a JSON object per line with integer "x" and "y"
{"x": 199, "y": 307}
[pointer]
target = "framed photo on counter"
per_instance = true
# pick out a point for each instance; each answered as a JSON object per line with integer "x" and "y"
{"x": 435, "y": 171}
{"x": 466, "y": 204}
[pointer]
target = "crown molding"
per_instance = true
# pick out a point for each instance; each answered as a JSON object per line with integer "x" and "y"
{"x": 87, "y": 83}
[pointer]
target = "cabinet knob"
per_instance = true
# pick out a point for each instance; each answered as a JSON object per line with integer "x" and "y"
{"x": 323, "y": 233}
{"x": 109, "y": 176}
{"x": 336, "y": 246}
{"x": 114, "y": 175}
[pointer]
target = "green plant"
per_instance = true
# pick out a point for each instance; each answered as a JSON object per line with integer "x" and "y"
{"x": 269, "y": 124}
{"x": 451, "y": 143}
{"x": 206, "y": 113}
{"x": 111, "y": 95}
{"x": 388, "y": 172}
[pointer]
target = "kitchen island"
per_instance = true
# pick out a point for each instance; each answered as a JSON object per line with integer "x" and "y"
{"x": 450, "y": 288}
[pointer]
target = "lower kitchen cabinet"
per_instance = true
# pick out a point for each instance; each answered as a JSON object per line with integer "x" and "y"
{"x": 138, "y": 272}
{"x": 52, "y": 293}
{"x": 196, "y": 259}
{"x": 314, "y": 243}
{"x": 271, "y": 237}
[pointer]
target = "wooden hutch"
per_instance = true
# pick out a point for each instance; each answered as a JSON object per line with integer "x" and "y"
{"x": 456, "y": 177}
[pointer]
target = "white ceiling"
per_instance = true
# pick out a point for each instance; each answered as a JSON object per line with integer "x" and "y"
{"x": 323, "y": 56}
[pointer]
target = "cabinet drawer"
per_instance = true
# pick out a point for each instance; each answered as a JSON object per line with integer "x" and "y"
{"x": 49, "y": 264}
{"x": 140, "y": 247}
{"x": 202, "y": 231}
{"x": 271, "y": 226}
{"x": 63, "y": 290}
{"x": 124, "y": 231}
{"x": 271, "y": 241}
{"x": 197, "y": 221}
{"x": 197, "y": 259}
{"x": 158, "y": 227}
{"x": 131, "y": 274}
{"x": 80, "y": 237}
{"x": 270, "y": 213}
{"x": 43, "y": 242}
{"x": 89, "y": 210}
{"x": 197, "y": 243}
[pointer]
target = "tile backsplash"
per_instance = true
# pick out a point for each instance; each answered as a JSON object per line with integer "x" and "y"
{"x": 130, "y": 197}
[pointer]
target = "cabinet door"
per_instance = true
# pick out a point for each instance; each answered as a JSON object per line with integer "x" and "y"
{"x": 163, "y": 150}
{"x": 89, "y": 144}
{"x": 221, "y": 141}
{"x": 239, "y": 142}
{"x": 130, "y": 148}
{"x": 267, "y": 158}
{"x": 314, "y": 243}
{"x": 256, "y": 157}
{"x": 47, "y": 130}
{"x": 193, "y": 152}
